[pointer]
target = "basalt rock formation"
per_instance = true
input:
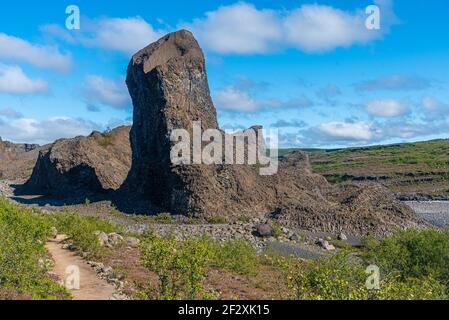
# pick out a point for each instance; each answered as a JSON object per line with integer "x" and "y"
{"x": 17, "y": 160}
{"x": 82, "y": 166}
{"x": 168, "y": 84}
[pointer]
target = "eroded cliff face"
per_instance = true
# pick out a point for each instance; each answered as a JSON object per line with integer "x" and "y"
{"x": 17, "y": 160}
{"x": 168, "y": 84}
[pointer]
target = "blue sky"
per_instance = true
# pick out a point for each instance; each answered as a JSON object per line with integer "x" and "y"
{"x": 311, "y": 69}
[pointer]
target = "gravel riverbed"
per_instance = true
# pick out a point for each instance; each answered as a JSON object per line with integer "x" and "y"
{"x": 434, "y": 212}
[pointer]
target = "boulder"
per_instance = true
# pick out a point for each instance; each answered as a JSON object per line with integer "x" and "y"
{"x": 264, "y": 230}
{"x": 103, "y": 238}
{"x": 325, "y": 245}
{"x": 132, "y": 242}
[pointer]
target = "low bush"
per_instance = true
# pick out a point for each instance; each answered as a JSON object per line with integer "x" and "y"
{"x": 235, "y": 255}
{"x": 179, "y": 265}
{"x": 23, "y": 235}
{"x": 81, "y": 230}
{"x": 412, "y": 253}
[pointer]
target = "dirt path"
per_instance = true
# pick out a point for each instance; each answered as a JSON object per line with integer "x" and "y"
{"x": 91, "y": 286}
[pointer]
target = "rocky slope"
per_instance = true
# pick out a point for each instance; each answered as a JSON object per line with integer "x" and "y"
{"x": 17, "y": 160}
{"x": 82, "y": 166}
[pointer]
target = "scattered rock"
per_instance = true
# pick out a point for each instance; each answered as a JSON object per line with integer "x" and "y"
{"x": 132, "y": 242}
{"x": 103, "y": 238}
{"x": 342, "y": 237}
{"x": 115, "y": 239}
{"x": 264, "y": 230}
{"x": 325, "y": 245}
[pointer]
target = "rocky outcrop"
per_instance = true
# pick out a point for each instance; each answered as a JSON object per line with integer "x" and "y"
{"x": 17, "y": 160}
{"x": 82, "y": 166}
{"x": 168, "y": 84}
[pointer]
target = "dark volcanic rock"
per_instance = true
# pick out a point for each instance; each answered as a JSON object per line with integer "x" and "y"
{"x": 82, "y": 166}
{"x": 17, "y": 160}
{"x": 168, "y": 84}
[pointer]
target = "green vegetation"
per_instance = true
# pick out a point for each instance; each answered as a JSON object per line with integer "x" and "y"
{"x": 235, "y": 255}
{"x": 106, "y": 139}
{"x": 179, "y": 266}
{"x": 410, "y": 167}
{"x": 164, "y": 218}
{"x": 23, "y": 259}
{"x": 217, "y": 220}
{"x": 81, "y": 230}
{"x": 412, "y": 253}
{"x": 413, "y": 264}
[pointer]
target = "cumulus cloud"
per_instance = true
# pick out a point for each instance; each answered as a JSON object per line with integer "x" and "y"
{"x": 315, "y": 28}
{"x": 45, "y": 131}
{"x": 42, "y": 56}
{"x": 10, "y": 113}
{"x": 394, "y": 82}
{"x": 360, "y": 131}
{"x": 385, "y": 108}
{"x": 100, "y": 90}
{"x": 238, "y": 28}
{"x": 234, "y": 99}
{"x": 127, "y": 35}
{"x": 14, "y": 81}
{"x": 244, "y": 29}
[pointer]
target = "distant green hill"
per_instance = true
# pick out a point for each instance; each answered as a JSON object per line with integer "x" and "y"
{"x": 421, "y": 167}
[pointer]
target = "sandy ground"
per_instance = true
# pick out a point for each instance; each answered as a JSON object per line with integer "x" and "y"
{"x": 91, "y": 286}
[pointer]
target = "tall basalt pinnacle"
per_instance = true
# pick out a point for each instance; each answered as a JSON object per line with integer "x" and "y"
{"x": 168, "y": 85}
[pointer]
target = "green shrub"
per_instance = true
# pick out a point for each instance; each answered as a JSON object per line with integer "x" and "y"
{"x": 340, "y": 277}
{"x": 164, "y": 218}
{"x": 277, "y": 230}
{"x": 23, "y": 235}
{"x": 179, "y": 266}
{"x": 412, "y": 254}
{"x": 235, "y": 255}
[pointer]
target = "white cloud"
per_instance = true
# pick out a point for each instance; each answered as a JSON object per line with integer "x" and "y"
{"x": 122, "y": 34}
{"x": 14, "y": 81}
{"x": 47, "y": 57}
{"x": 99, "y": 90}
{"x": 238, "y": 28}
{"x": 234, "y": 99}
{"x": 27, "y": 130}
{"x": 360, "y": 131}
{"x": 126, "y": 35}
{"x": 244, "y": 29}
{"x": 385, "y": 108}
{"x": 315, "y": 28}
